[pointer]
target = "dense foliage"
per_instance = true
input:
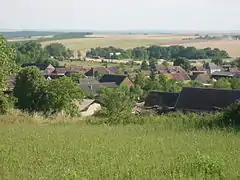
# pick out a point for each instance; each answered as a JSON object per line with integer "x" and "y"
{"x": 33, "y": 52}
{"x": 231, "y": 115}
{"x": 226, "y": 83}
{"x": 158, "y": 52}
{"x": 7, "y": 65}
{"x": 29, "y": 89}
{"x": 62, "y": 94}
{"x": 118, "y": 102}
{"x": 4, "y": 104}
{"x": 58, "y": 51}
{"x": 29, "y": 52}
{"x": 36, "y": 94}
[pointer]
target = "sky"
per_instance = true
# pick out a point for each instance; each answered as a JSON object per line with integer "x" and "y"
{"x": 116, "y": 15}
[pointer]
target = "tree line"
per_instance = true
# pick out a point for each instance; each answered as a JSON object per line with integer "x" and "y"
{"x": 157, "y": 52}
{"x": 33, "y": 52}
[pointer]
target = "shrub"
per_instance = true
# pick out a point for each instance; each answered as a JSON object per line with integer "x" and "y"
{"x": 231, "y": 115}
{"x": 28, "y": 88}
{"x": 4, "y": 104}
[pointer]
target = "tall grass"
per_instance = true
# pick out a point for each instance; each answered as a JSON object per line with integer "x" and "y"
{"x": 165, "y": 147}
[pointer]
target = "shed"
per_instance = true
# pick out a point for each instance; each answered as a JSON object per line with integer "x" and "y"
{"x": 89, "y": 107}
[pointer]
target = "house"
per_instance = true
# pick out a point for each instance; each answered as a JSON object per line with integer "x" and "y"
{"x": 89, "y": 86}
{"x": 205, "y": 79}
{"x": 111, "y": 80}
{"x": 89, "y": 107}
{"x": 45, "y": 68}
{"x": 60, "y": 70}
{"x": 173, "y": 72}
{"x": 205, "y": 99}
{"x": 222, "y": 74}
{"x": 76, "y": 69}
{"x": 212, "y": 67}
{"x": 161, "y": 99}
{"x": 101, "y": 70}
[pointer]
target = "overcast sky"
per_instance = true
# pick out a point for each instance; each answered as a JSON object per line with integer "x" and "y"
{"x": 120, "y": 14}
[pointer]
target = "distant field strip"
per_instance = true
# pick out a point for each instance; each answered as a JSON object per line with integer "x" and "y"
{"x": 85, "y": 44}
{"x": 131, "y": 41}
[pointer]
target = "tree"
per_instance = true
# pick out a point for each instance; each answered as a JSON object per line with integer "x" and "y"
{"x": 195, "y": 84}
{"x": 29, "y": 89}
{"x": 51, "y": 61}
{"x": 183, "y": 62}
{"x": 140, "y": 79}
{"x": 75, "y": 76}
{"x": 152, "y": 63}
{"x": 166, "y": 64}
{"x": 235, "y": 83}
{"x": 7, "y": 65}
{"x": 217, "y": 61}
{"x": 4, "y": 104}
{"x": 222, "y": 83}
{"x": 62, "y": 94}
{"x": 144, "y": 65}
{"x": 58, "y": 51}
{"x": 117, "y": 101}
{"x": 231, "y": 115}
{"x": 236, "y": 63}
{"x": 29, "y": 52}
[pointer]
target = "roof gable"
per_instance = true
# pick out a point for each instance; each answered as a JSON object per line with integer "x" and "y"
{"x": 118, "y": 79}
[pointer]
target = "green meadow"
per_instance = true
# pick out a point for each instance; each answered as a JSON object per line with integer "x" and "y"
{"x": 161, "y": 148}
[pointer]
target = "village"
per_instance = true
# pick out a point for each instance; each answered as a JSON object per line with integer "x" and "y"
{"x": 206, "y": 97}
{"x": 119, "y": 90}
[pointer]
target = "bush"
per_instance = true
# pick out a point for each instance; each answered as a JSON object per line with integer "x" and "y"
{"x": 4, "y": 104}
{"x": 231, "y": 115}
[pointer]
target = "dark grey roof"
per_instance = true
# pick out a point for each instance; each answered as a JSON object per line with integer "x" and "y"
{"x": 107, "y": 78}
{"x": 89, "y": 85}
{"x": 205, "y": 99}
{"x": 162, "y": 99}
{"x": 223, "y": 73}
{"x": 39, "y": 66}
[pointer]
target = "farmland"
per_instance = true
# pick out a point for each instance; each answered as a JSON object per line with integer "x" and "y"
{"x": 131, "y": 41}
{"x": 121, "y": 41}
{"x": 231, "y": 46}
{"x": 165, "y": 149}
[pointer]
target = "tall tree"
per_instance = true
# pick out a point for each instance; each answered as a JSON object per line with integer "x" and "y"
{"x": 58, "y": 51}
{"x": 7, "y": 65}
{"x": 62, "y": 94}
{"x": 217, "y": 61}
{"x": 183, "y": 62}
{"x": 28, "y": 89}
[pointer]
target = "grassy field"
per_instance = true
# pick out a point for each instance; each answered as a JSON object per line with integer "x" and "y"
{"x": 164, "y": 149}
